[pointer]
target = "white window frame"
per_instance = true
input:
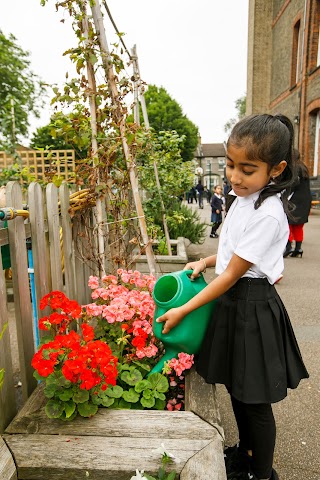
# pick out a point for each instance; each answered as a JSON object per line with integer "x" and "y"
{"x": 316, "y": 146}
{"x": 318, "y": 56}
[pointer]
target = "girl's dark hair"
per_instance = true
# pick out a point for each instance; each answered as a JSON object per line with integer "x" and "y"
{"x": 268, "y": 138}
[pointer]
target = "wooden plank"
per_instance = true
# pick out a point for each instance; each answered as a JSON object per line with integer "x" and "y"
{"x": 200, "y": 398}
{"x": 81, "y": 280}
{"x": 8, "y": 406}
{"x": 111, "y": 423}
{"x": 54, "y": 236}
{"x": 21, "y": 291}
{"x": 102, "y": 457}
{"x": 67, "y": 241}
{"x": 4, "y": 237}
{"x": 39, "y": 249}
{"x": 207, "y": 463}
{"x": 7, "y": 467}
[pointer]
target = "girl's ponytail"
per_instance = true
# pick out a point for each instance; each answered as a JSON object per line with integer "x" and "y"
{"x": 269, "y": 138}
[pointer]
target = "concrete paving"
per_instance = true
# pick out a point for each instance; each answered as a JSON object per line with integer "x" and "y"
{"x": 297, "y": 453}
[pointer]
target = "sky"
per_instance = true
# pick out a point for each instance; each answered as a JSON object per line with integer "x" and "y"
{"x": 197, "y": 51}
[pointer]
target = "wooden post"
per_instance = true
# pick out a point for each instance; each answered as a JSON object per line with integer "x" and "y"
{"x": 68, "y": 252}
{"x": 93, "y": 123}
{"x": 120, "y": 119}
{"x": 136, "y": 73}
{"x": 39, "y": 249}
{"x": 8, "y": 407}
{"x": 21, "y": 291}
{"x": 54, "y": 236}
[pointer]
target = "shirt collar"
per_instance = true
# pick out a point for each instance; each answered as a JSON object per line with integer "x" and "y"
{"x": 249, "y": 200}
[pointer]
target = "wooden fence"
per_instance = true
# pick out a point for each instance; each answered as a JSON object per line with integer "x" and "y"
{"x": 52, "y": 234}
{"x": 42, "y": 163}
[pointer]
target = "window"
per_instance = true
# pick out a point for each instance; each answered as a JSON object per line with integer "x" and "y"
{"x": 316, "y": 146}
{"x": 296, "y": 47}
{"x": 318, "y": 55}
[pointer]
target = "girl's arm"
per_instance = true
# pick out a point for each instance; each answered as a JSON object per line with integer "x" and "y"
{"x": 235, "y": 270}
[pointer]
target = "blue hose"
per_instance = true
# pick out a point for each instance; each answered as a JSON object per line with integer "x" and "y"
{"x": 33, "y": 296}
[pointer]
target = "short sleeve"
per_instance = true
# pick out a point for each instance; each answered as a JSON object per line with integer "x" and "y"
{"x": 257, "y": 238}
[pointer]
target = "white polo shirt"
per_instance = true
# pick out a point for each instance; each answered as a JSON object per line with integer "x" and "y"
{"x": 258, "y": 236}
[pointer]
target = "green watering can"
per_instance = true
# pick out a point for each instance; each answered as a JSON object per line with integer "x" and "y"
{"x": 173, "y": 290}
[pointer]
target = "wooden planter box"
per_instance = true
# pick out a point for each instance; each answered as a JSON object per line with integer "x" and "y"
{"x": 166, "y": 263}
{"x": 113, "y": 443}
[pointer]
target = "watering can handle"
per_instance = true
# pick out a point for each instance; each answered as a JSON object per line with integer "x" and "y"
{"x": 190, "y": 272}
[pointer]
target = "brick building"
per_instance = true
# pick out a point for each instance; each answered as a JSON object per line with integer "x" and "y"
{"x": 284, "y": 68}
{"x": 210, "y": 160}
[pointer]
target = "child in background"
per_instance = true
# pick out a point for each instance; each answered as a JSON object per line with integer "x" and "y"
{"x": 216, "y": 211}
{"x": 250, "y": 346}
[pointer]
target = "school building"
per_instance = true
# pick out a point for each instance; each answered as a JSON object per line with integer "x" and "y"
{"x": 284, "y": 68}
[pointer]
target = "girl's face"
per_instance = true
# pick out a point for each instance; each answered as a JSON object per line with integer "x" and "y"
{"x": 248, "y": 176}
{"x": 218, "y": 190}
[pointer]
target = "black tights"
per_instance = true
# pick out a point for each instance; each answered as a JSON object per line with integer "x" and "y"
{"x": 257, "y": 432}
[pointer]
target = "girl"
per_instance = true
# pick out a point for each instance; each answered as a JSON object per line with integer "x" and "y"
{"x": 216, "y": 211}
{"x": 250, "y": 346}
{"x": 300, "y": 198}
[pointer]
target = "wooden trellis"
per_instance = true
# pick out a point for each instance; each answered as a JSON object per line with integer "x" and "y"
{"x": 39, "y": 163}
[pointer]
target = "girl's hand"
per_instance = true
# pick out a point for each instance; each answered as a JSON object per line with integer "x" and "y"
{"x": 171, "y": 318}
{"x": 197, "y": 268}
{"x": 217, "y": 211}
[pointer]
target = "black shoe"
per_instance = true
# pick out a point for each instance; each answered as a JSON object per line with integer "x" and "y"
{"x": 211, "y": 236}
{"x": 288, "y": 250}
{"x": 245, "y": 475}
{"x": 297, "y": 253}
{"x": 237, "y": 462}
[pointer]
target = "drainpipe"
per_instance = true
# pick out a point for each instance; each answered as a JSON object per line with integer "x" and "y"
{"x": 303, "y": 64}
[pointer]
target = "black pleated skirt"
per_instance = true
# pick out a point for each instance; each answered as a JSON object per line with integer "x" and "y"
{"x": 250, "y": 346}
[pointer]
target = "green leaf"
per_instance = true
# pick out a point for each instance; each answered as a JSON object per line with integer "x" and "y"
{"x": 132, "y": 377}
{"x": 124, "y": 404}
{"x": 87, "y": 409}
{"x": 130, "y": 396}
{"x": 65, "y": 395}
{"x": 114, "y": 392}
{"x": 160, "y": 404}
{"x": 69, "y": 408}
{"x": 54, "y": 408}
{"x": 107, "y": 401}
{"x": 159, "y": 395}
{"x": 148, "y": 402}
{"x": 50, "y": 390}
{"x": 159, "y": 382}
{"x": 142, "y": 385}
{"x": 144, "y": 366}
{"x": 171, "y": 476}
{"x": 81, "y": 396}
{"x": 149, "y": 477}
{"x": 147, "y": 394}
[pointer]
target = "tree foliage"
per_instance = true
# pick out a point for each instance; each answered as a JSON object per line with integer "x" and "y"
{"x": 166, "y": 114}
{"x": 240, "y": 105}
{"x": 21, "y": 90}
{"x": 65, "y": 132}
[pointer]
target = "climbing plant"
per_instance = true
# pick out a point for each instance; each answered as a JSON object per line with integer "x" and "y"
{"x": 104, "y": 170}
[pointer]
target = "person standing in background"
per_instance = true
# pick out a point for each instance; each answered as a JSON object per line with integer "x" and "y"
{"x": 216, "y": 211}
{"x": 300, "y": 198}
{"x": 200, "y": 190}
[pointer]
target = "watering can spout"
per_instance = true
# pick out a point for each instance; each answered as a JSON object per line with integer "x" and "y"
{"x": 169, "y": 354}
{"x": 173, "y": 290}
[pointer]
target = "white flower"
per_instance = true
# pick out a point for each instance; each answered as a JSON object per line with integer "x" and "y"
{"x": 163, "y": 451}
{"x": 139, "y": 475}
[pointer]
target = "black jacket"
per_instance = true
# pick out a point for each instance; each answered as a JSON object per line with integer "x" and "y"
{"x": 301, "y": 199}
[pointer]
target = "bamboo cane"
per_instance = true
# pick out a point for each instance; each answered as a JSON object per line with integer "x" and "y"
{"x": 119, "y": 116}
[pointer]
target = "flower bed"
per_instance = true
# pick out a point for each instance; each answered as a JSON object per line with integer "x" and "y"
{"x": 107, "y": 361}
{"x": 106, "y": 364}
